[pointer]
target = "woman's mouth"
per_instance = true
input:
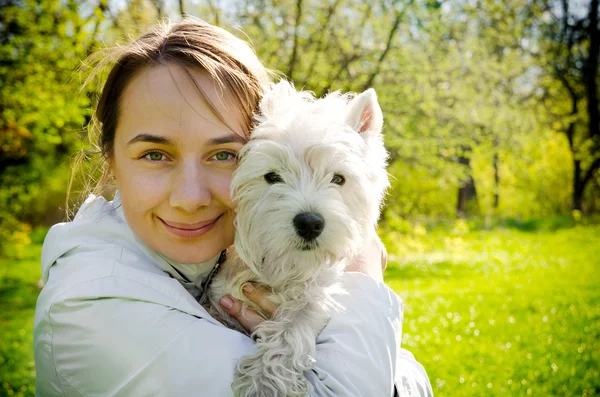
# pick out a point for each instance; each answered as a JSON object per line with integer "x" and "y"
{"x": 190, "y": 230}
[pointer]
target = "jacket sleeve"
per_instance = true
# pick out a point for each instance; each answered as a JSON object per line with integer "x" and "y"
{"x": 359, "y": 354}
{"x": 411, "y": 378}
{"x": 117, "y": 347}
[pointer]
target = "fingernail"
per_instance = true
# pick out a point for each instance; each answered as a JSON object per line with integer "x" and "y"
{"x": 248, "y": 288}
{"x": 227, "y": 302}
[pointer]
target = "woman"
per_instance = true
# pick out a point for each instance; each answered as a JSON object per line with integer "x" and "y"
{"x": 118, "y": 314}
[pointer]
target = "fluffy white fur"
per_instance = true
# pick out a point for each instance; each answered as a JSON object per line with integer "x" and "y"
{"x": 306, "y": 141}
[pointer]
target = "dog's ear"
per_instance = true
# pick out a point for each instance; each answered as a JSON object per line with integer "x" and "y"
{"x": 275, "y": 95}
{"x": 363, "y": 113}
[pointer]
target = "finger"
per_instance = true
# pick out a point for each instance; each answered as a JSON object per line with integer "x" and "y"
{"x": 260, "y": 296}
{"x": 247, "y": 317}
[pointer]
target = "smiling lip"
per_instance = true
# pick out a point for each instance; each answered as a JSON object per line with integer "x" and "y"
{"x": 190, "y": 230}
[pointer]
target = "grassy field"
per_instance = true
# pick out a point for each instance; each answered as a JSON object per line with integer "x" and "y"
{"x": 511, "y": 312}
{"x": 18, "y": 294}
{"x": 504, "y": 312}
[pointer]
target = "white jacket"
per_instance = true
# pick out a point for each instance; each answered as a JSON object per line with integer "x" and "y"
{"x": 117, "y": 319}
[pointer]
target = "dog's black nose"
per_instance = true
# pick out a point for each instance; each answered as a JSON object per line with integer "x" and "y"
{"x": 309, "y": 225}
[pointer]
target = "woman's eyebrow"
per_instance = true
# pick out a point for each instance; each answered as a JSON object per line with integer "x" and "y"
{"x": 232, "y": 138}
{"x": 161, "y": 140}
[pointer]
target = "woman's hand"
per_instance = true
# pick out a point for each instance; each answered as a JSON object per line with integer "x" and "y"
{"x": 372, "y": 260}
{"x": 247, "y": 317}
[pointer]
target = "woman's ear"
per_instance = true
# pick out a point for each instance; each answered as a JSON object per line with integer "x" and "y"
{"x": 364, "y": 113}
{"x": 110, "y": 172}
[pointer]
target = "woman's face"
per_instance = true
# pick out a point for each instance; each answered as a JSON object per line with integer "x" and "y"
{"x": 173, "y": 162}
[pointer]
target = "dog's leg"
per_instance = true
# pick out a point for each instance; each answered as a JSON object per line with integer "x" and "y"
{"x": 286, "y": 348}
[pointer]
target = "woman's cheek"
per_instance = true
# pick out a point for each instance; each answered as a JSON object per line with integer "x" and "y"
{"x": 222, "y": 184}
{"x": 148, "y": 187}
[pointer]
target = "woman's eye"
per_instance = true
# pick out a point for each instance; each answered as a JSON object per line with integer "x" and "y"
{"x": 273, "y": 177}
{"x": 338, "y": 179}
{"x": 225, "y": 156}
{"x": 154, "y": 156}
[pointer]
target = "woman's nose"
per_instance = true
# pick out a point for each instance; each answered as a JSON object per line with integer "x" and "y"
{"x": 190, "y": 190}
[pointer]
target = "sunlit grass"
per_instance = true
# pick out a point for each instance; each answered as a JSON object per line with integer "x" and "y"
{"x": 504, "y": 312}
{"x": 18, "y": 294}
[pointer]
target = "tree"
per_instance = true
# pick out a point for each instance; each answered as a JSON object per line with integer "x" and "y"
{"x": 569, "y": 91}
{"x": 41, "y": 43}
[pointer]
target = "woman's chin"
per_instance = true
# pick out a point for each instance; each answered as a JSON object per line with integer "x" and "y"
{"x": 192, "y": 255}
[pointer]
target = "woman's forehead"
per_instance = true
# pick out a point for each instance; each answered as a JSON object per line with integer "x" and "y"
{"x": 166, "y": 96}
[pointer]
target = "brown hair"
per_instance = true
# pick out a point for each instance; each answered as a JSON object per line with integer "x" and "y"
{"x": 191, "y": 43}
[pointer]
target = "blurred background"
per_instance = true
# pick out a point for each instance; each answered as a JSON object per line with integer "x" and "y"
{"x": 492, "y": 121}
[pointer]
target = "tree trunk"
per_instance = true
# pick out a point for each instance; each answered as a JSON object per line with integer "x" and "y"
{"x": 496, "y": 174}
{"x": 590, "y": 71}
{"x": 293, "y": 58}
{"x": 578, "y": 186}
{"x": 467, "y": 194}
{"x": 181, "y": 8}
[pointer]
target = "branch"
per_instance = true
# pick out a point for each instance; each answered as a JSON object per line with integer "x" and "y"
{"x": 388, "y": 45}
{"x": 319, "y": 32}
{"x": 346, "y": 59}
{"x": 104, "y": 7}
{"x": 344, "y": 66}
{"x": 590, "y": 71}
{"x": 181, "y": 9}
{"x": 590, "y": 172}
{"x": 93, "y": 41}
{"x": 292, "y": 62}
{"x": 215, "y": 10}
{"x": 159, "y": 8}
{"x": 321, "y": 47}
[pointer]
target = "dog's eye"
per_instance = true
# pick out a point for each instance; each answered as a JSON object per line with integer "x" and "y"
{"x": 338, "y": 179}
{"x": 273, "y": 177}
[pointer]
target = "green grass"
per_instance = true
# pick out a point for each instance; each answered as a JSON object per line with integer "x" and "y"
{"x": 504, "y": 312}
{"x": 511, "y": 312}
{"x": 18, "y": 294}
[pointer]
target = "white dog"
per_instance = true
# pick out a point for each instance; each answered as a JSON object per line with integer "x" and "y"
{"x": 308, "y": 191}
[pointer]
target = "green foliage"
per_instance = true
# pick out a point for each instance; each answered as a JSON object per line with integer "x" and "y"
{"x": 531, "y": 185}
{"x": 458, "y": 85}
{"x": 41, "y": 43}
{"x": 466, "y": 91}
